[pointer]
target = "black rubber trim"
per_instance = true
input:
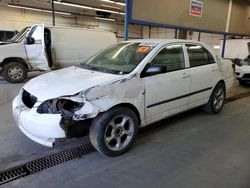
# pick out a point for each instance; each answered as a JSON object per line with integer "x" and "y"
{"x": 179, "y": 97}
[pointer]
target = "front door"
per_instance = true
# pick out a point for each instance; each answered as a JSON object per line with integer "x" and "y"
{"x": 167, "y": 93}
{"x": 36, "y": 50}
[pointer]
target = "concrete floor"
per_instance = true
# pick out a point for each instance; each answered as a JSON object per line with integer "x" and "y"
{"x": 190, "y": 150}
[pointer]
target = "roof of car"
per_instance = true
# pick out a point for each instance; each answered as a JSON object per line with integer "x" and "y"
{"x": 158, "y": 41}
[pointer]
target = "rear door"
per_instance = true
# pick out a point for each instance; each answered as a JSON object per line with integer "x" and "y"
{"x": 204, "y": 73}
{"x": 36, "y": 51}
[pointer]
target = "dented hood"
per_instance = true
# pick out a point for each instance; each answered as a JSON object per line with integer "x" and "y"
{"x": 67, "y": 81}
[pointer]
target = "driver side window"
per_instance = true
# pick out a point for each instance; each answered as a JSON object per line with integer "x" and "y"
{"x": 36, "y": 33}
{"x": 171, "y": 57}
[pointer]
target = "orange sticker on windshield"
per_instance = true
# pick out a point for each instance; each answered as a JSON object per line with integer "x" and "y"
{"x": 143, "y": 49}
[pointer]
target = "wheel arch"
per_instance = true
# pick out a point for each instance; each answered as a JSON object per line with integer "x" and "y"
{"x": 130, "y": 106}
{"x": 221, "y": 81}
{"x": 17, "y": 59}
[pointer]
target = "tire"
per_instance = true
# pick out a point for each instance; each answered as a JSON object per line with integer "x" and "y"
{"x": 15, "y": 72}
{"x": 216, "y": 100}
{"x": 109, "y": 135}
{"x": 242, "y": 82}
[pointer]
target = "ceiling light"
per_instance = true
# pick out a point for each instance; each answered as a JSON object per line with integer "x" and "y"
{"x": 109, "y": 6}
{"x": 114, "y": 2}
{"x": 74, "y": 5}
{"x": 106, "y": 19}
{"x": 216, "y": 47}
{"x": 88, "y": 7}
{"x": 38, "y": 9}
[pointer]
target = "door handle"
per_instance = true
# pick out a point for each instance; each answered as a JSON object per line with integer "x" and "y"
{"x": 185, "y": 75}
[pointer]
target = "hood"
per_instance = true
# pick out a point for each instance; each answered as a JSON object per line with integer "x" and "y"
{"x": 67, "y": 81}
{"x": 3, "y": 43}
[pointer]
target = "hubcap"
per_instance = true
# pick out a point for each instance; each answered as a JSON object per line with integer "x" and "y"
{"x": 119, "y": 132}
{"x": 15, "y": 72}
{"x": 219, "y": 98}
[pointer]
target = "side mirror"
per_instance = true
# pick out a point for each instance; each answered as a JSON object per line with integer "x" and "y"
{"x": 30, "y": 40}
{"x": 153, "y": 70}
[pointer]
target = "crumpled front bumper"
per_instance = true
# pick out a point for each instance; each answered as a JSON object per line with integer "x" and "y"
{"x": 41, "y": 128}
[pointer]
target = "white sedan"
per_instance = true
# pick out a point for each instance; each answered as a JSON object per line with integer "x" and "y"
{"x": 124, "y": 87}
{"x": 242, "y": 71}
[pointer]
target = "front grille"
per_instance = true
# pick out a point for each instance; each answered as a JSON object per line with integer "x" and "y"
{"x": 28, "y": 99}
{"x": 246, "y": 76}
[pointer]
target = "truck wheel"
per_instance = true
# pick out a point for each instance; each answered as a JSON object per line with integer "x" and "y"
{"x": 113, "y": 132}
{"x": 216, "y": 100}
{"x": 14, "y": 72}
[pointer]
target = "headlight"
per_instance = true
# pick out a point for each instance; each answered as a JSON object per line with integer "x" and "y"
{"x": 57, "y": 106}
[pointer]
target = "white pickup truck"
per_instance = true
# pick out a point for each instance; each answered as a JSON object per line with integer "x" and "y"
{"x": 44, "y": 48}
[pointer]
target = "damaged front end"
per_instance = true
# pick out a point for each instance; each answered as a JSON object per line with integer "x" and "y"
{"x": 76, "y": 113}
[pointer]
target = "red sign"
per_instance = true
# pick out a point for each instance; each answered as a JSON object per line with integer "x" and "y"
{"x": 196, "y": 8}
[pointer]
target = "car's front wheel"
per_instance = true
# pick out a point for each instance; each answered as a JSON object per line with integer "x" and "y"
{"x": 14, "y": 72}
{"x": 113, "y": 132}
{"x": 216, "y": 100}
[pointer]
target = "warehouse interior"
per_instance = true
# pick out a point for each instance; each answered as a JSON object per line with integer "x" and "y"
{"x": 192, "y": 145}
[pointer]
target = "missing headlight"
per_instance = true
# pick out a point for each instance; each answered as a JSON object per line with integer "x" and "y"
{"x": 57, "y": 106}
{"x": 28, "y": 99}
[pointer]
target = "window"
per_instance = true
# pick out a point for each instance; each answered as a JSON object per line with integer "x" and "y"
{"x": 171, "y": 56}
{"x": 198, "y": 55}
{"x": 36, "y": 33}
{"x": 6, "y": 35}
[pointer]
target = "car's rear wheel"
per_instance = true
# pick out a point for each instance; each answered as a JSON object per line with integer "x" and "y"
{"x": 113, "y": 132}
{"x": 216, "y": 100}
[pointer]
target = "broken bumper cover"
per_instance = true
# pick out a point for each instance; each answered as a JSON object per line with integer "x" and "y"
{"x": 41, "y": 128}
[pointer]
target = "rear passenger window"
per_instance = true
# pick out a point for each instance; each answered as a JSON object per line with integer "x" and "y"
{"x": 171, "y": 56}
{"x": 198, "y": 55}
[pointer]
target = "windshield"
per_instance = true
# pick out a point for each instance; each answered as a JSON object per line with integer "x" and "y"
{"x": 245, "y": 62}
{"x": 121, "y": 58}
{"x": 19, "y": 36}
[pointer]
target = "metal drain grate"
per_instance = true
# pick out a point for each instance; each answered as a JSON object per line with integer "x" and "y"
{"x": 13, "y": 174}
{"x": 44, "y": 163}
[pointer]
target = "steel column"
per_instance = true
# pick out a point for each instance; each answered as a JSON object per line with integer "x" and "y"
{"x": 224, "y": 45}
{"x": 53, "y": 13}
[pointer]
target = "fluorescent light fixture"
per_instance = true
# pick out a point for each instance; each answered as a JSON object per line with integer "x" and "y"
{"x": 109, "y": 6}
{"x": 114, "y": 2}
{"x": 37, "y": 9}
{"x": 216, "y": 47}
{"x": 106, "y": 19}
{"x": 88, "y": 7}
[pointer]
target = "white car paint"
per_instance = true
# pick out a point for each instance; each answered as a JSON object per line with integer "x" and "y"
{"x": 6, "y": 51}
{"x": 242, "y": 70}
{"x": 101, "y": 91}
{"x": 64, "y": 79}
